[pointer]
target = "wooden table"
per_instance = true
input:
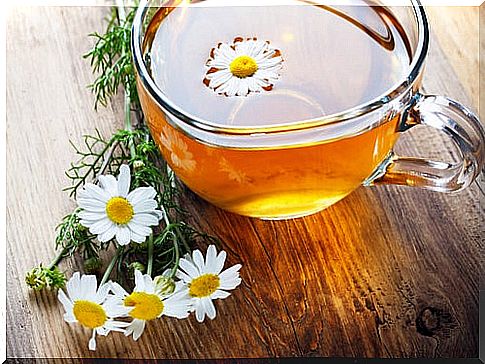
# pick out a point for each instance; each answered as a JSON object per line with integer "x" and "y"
{"x": 387, "y": 272}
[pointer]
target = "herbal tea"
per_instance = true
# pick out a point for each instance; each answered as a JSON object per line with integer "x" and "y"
{"x": 244, "y": 66}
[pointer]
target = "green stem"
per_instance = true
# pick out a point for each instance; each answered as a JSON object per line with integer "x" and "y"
{"x": 184, "y": 241}
{"x": 150, "y": 255}
{"x": 111, "y": 265}
{"x": 90, "y": 170}
{"x": 128, "y": 126}
{"x": 177, "y": 257}
{"x": 179, "y": 235}
{"x": 57, "y": 259}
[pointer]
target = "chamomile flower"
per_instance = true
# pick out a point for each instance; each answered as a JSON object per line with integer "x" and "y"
{"x": 147, "y": 303}
{"x": 111, "y": 210}
{"x": 206, "y": 281}
{"x": 245, "y": 66}
{"x": 86, "y": 304}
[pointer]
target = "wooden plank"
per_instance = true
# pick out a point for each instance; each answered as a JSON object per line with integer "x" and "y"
{"x": 389, "y": 271}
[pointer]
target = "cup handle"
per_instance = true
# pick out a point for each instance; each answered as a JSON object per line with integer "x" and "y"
{"x": 451, "y": 118}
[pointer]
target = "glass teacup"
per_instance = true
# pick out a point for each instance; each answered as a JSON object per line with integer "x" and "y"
{"x": 292, "y": 168}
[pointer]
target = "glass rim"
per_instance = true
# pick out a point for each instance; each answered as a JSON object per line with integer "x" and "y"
{"x": 398, "y": 89}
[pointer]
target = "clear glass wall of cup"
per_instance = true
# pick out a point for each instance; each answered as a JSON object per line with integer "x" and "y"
{"x": 286, "y": 170}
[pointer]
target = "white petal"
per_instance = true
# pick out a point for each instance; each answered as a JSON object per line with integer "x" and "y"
{"x": 102, "y": 330}
{"x": 218, "y": 74}
{"x": 99, "y": 227}
{"x": 108, "y": 234}
{"x": 109, "y": 184}
{"x": 118, "y": 290}
{"x": 265, "y": 75}
{"x": 178, "y": 308}
{"x": 226, "y": 50}
{"x": 89, "y": 286}
{"x": 181, "y": 287}
{"x": 229, "y": 87}
{"x": 114, "y": 307}
{"x": 74, "y": 287}
{"x": 199, "y": 311}
{"x": 66, "y": 302}
{"x": 261, "y": 82}
{"x": 230, "y": 284}
{"x": 183, "y": 276}
{"x": 270, "y": 63}
{"x": 145, "y": 219}
{"x": 92, "y": 341}
{"x": 253, "y": 85}
{"x": 69, "y": 317}
{"x": 124, "y": 180}
{"x": 87, "y": 223}
{"x": 198, "y": 260}
{"x": 102, "y": 293}
{"x": 220, "y": 259}
{"x": 145, "y": 206}
{"x": 129, "y": 328}
{"x": 243, "y": 88}
{"x": 210, "y": 260}
{"x": 139, "y": 281}
{"x": 141, "y": 230}
{"x": 136, "y": 237}
{"x": 140, "y": 194}
{"x": 189, "y": 268}
{"x": 91, "y": 204}
{"x": 241, "y": 48}
{"x": 257, "y": 49}
{"x": 219, "y": 63}
{"x": 97, "y": 192}
{"x": 123, "y": 236}
{"x": 119, "y": 326}
{"x": 83, "y": 194}
{"x": 136, "y": 327}
{"x": 149, "y": 287}
{"x": 219, "y": 294}
{"x": 219, "y": 78}
{"x": 230, "y": 273}
{"x": 209, "y": 308}
{"x": 91, "y": 216}
{"x": 232, "y": 86}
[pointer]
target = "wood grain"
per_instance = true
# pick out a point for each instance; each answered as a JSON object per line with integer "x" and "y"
{"x": 387, "y": 272}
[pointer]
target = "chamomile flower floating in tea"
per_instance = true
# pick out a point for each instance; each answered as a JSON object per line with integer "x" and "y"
{"x": 110, "y": 210}
{"x": 86, "y": 304}
{"x": 206, "y": 281}
{"x": 245, "y": 66}
{"x": 146, "y": 303}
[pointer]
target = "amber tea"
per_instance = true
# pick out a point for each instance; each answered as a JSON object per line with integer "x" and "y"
{"x": 253, "y": 66}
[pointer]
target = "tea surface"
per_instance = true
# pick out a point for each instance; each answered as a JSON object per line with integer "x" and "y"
{"x": 335, "y": 58}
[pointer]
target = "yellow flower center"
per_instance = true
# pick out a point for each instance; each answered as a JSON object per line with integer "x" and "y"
{"x": 89, "y": 314}
{"x": 204, "y": 286}
{"x": 119, "y": 210}
{"x": 243, "y": 66}
{"x": 147, "y": 306}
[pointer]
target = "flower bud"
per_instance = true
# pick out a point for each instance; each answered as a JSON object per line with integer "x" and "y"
{"x": 138, "y": 164}
{"x": 136, "y": 266}
{"x": 164, "y": 285}
{"x": 40, "y": 277}
{"x": 35, "y": 279}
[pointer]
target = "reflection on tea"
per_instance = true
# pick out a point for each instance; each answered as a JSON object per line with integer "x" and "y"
{"x": 333, "y": 59}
